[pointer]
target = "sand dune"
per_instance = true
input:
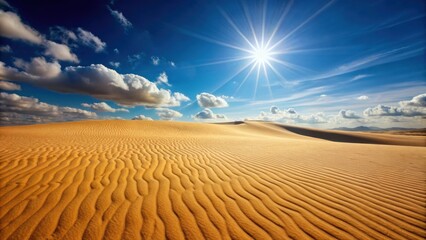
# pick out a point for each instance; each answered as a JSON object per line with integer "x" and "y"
{"x": 247, "y": 180}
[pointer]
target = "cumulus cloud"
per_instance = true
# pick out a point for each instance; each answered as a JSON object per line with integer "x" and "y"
{"x": 348, "y": 114}
{"x": 163, "y": 78}
{"x": 274, "y": 110}
{"x": 290, "y": 116}
{"x": 180, "y": 97}
{"x": 208, "y": 114}
{"x": 103, "y": 107}
{"x": 384, "y": 110}
{"x": 102, "y": 83}
{"x": 412, "y": 108}
{"x": 120, "y": 18}
{"x": 291, "y": 111}
{"x": 155, "y": 60}
{"x": 142, "y": 117}
{"x": 12, "y": 27}
{"x": 363, "y": 97}
{"x": 207, "y": 100}
{"x": 168, "y": 114}
{"x": 116, "y": 51}
{"x": 5, "y": 49}
{"x": 8, "y": 86}
{"x": 417, "y": 101}
{"x": 16, "y": 109}
{"x": 39, "y": 67}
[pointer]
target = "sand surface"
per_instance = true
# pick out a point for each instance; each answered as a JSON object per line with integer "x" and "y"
{"x": 249, "y": 180}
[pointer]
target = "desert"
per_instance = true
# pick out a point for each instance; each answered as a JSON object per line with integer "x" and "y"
{"x": 129, "y": 179}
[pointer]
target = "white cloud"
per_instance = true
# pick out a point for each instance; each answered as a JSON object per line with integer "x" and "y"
{"x": 11, "y": 26}
{"x": 115, "y": 64}
{"x": 323, "y": 95}
{"x": 168, "y": 114}
{"x": 8, "y": 86}
{"x": 180, "y": 97}
{"x": 39, "y": 67}
{"x": 417, "y": 101}
{"x": 60, "y": 52}
{"x": 274, "y": 110}
{"x": 348, "y": 114}
{"x": 363, "y": 97}
{"x": 116, "y": 51}
{"x": 103, "y": 107}
{"x": 142, "y": 117}
{"x": 412, "y": 108}
{"x": 291, "y": 116}
{"x": 172, "y": 64}
{"x": 206, "y": 114}
{"x": 120, "y": 18}
{"x": 382, "y": 110}
{"x": 89, "y": 39}
{"x": 5, "y": 49}
{"x": 207, "y": 100}
{"x": 155, "y": 60}
{"x": 16, "y": 109}
{"x": 103, "y": 83}
{"x": 163, "y": 78}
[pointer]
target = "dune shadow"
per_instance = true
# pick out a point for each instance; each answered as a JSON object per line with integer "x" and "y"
{"x": 333, "y": 136}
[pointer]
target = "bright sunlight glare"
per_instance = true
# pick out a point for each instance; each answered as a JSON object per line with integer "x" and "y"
{"x": 261, "y": 55}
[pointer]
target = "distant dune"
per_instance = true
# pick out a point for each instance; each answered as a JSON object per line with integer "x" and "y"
{"x": 121, "y": 179}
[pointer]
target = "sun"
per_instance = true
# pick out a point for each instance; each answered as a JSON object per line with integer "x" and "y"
{"x": 262, "y": 46}
{"x": 261, "y": 55}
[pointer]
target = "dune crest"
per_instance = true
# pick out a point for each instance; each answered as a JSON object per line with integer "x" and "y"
{"x": 154, "y": 180}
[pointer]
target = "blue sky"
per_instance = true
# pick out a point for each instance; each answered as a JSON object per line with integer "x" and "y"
{"x": 319, "y": 63}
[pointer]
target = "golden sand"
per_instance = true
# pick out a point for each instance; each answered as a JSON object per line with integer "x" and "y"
{"x": 249, "y": 180}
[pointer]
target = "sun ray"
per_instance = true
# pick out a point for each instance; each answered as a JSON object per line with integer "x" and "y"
{"x": 278, "y": 25}
{"x": 211, "y": 40}
{"x": 257, "y": 81}
{"x": 302, "y": 24}
{"x": 261, "y": 51}
{"x": 234, "y": 26}
{"x": 292, "y": 66}
{"x": 245, "y": 78}
{"x": 233, "y": 76}
{"x": 267, "y": 79}
{"x": 263, "y": 22}
{"x": 246, "y": 13}
{"x": 237, "y": 59}
{"x": 280, "y": 76}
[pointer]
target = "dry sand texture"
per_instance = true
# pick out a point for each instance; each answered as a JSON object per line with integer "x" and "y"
{"x": 157, "y": 180}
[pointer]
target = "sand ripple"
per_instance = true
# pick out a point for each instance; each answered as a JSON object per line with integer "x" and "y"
{"x": 157, "y": 180}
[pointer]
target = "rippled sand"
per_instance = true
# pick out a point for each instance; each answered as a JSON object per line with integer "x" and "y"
{"x": 248, "y": 180}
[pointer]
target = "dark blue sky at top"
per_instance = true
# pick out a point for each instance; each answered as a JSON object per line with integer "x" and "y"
{"x": 379, "y": 43}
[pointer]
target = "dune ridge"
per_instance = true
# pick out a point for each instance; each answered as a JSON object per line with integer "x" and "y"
{"x": 120, "y": 179}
